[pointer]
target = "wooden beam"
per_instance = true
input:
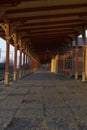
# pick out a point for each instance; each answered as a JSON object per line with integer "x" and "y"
{"x": 52, "y": 23}
{"x": 79, "y": 14}
{"x": 46, "y": 8}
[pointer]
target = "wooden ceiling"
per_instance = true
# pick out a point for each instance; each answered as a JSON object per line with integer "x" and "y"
{"x": 46, "y": 23}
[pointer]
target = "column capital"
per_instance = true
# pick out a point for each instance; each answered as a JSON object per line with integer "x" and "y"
{"x": 5, "y": 26}
{"x": 26, "y": 52}
{"x": 14, "y": 37}
{"x": 8, "y": 40}
{"x": 21, "y": 49}
{"x": 16, "y": 46}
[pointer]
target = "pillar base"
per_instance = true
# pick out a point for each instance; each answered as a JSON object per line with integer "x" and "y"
{"x": 83, "y": 76}
{"x": 76, "y": 75}
{"x": 15, "y": 76}
{"x": 20, "y": 74}
{"x": 6, "y": 80}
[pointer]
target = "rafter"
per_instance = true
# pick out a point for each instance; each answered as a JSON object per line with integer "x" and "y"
{"x": 79, "y": 14}
{"x": 47, "y": 8}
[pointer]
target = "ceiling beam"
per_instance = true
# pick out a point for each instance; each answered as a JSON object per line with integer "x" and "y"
{"x": 46, "y": 8}
{"x": 79, "y": 14}
{"x": 14, "y": 1}
{"x": 52, "y": 23}
{"x": 50, "y": 27}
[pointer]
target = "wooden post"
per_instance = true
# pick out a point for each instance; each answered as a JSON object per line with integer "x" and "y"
{"x": 52, "y": 65}
{"x": 64, "y": 63}
{"x": 76, "y": 59}
{"x": 26, "y": 61}
{"x": 23, "y": 63}
{"x": 84, "y": 55}
{"x": 15, "y": 63}
{"x": 7, "y": 30}
{"x": 20, "y": 65}
{"x": 6, "y": 81}
{"x": 86, "y": 63}
{"x": 56, "y": 63}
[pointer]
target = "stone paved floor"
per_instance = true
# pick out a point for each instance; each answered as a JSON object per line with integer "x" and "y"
{"x": 44, "y": 101}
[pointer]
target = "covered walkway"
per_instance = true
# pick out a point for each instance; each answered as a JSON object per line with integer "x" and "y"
{"x": 44, "y": 32}
{"x": 44, "y": 101}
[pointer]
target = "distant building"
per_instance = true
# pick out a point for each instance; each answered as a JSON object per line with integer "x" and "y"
{"x": 66, "y": 63}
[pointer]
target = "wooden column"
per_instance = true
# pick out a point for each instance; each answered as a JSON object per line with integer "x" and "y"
{"x": 6, "y": 81}
{"x": 15, "y": 63}
{"x": 7, "y": 34}
{"x": 20, "y": 65}
{"x": 76, "y": 59}
{"x": 86, "y": 63}
{"x": 52, "y": 65}
{"x": 29, "y": 62}
{"x": 26, "y": 60}
{"x": 71, "y": 56}
{"x": 23, "y": 63}
{"x": 26, "y": 63}
{"x": 64, "y": 57}
{"x": 84, "y": 55}
{"x": 56, "y": 63}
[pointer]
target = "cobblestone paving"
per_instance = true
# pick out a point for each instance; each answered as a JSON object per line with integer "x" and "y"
{"x": 44, "y": 101}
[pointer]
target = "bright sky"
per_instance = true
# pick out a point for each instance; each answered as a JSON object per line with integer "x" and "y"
{"x": 3, "y": 50}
